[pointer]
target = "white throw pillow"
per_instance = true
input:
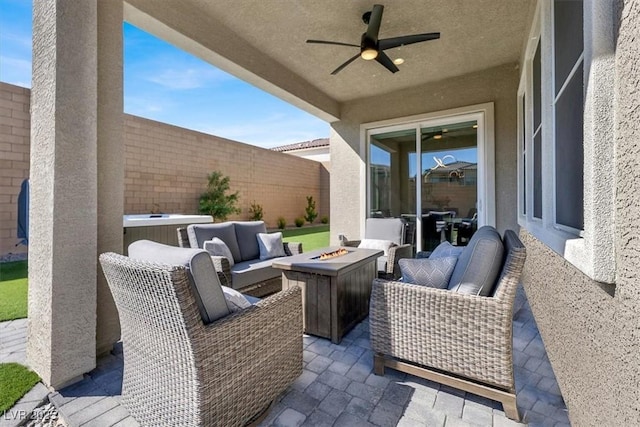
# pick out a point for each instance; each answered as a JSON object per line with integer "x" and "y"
{"x": 381, "y": 245}
{"x": 216, "y": 247}
{"x": 235, "y": 300}
{"x": 270, "y": 245}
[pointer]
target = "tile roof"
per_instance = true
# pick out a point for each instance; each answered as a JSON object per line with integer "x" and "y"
{"x": 320, "y": 142}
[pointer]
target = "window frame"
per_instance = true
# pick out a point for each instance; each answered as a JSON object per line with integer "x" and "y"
{"x": 591, "y": 250}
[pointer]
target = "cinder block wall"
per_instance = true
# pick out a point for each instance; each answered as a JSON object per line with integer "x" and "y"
{"x": 166, "y": 170}
{"x": 167, "y": 166}
{"x": 14, "y": 160}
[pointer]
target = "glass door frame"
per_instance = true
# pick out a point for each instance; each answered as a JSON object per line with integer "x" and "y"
{"x": 484, "y": 116}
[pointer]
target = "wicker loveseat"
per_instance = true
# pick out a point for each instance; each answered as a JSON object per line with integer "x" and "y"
{"x": 181, "y": 370}
{"x": 461, "y": 340}
{"x": 245, "y": 272}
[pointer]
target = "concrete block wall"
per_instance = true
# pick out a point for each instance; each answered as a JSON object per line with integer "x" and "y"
{"x": 167, "y": 166}
{"x": 166, "y": 170}
{"x": 14, "y": 160}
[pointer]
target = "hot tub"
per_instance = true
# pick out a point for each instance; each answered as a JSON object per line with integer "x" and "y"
{"x": 157, "y": 227}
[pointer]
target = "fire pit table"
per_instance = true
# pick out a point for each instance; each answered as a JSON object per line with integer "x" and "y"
{"x": 335, "y": 288}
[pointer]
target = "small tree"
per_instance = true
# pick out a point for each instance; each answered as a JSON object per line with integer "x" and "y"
{"x": 256, "y": 213}
{"x": 215, "y": 201}
{"x": 310, "y": 211}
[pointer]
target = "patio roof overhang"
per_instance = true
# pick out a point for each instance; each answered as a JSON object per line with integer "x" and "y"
{"x": 264, "y": 43}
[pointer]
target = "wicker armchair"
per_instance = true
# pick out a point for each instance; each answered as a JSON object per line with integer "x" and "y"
{"x": 180, "y": 371}
{"x": 395, "y": 230}
{"x": 464, "y": 341}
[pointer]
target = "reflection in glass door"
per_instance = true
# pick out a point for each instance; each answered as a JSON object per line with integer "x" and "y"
{"x": 449, "y": 183}
{"x": 440, "y": 200}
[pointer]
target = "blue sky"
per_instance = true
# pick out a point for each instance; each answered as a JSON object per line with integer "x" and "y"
{"x": 166, "y": 84}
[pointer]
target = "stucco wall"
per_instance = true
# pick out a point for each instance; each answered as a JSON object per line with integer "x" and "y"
{"x": 166, "y": 169}
{"x": 498, "y": 85}
{"x": 592, "y": 331}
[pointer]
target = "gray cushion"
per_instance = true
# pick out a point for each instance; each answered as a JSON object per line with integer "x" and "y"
{"x": 225, "y": 231}
{"x": 270, "y": 245}
{"x": 479, "y": 263}
{"x": 246, "y": 232}
{"x": 247, "y": 273}
{"x": 216, "y": 247}
{"x": 385, "y": 229}
{"x": 445, "y": 249}
{"x": 434, "y": 273}
{"x": 202, "y": 275}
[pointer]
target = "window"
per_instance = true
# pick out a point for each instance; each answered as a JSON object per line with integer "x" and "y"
{"x": 569, "y": 111}
{"x": 567, "y": 199}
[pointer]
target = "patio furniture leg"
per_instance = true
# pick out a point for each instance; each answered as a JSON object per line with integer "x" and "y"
{"x": 378, "y": 364}
{"x": 510, "y": 408}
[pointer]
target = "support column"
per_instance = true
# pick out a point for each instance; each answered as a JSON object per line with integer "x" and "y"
{"x": 61, "y": 342}
{"x": 110, "y": 161}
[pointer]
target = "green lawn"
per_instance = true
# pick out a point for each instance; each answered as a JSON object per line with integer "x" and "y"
{"x": 15, "y": 381}
{"x": 310, "y": 237}
{"x": 13, "y": 290}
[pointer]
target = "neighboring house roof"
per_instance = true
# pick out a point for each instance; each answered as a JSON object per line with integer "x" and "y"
{"x": 316, "y": 143}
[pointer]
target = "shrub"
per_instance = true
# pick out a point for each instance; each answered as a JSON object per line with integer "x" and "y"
{"x": 255, "y": 211}
{"x": 282, "y": 223}
{"x": 324, "y": 219}
{"x": 299, "y": 222}
{"x": 310, "y": 211}
{"x": 215, "y": 201}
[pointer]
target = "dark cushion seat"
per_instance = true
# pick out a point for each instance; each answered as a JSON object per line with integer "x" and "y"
{"x": 246, "y": 273}
{"x": 479, "y": 264}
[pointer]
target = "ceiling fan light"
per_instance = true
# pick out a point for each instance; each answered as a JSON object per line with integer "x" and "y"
{"x": 398, "y": 61}
{"x": 368, "y": 54}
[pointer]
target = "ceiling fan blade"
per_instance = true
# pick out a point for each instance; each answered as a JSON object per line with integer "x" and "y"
{"x": 386, "y": 62}
{"x": 374, "y": 22}
{"x": 404, "y": 40}
{"x": 349, "y": 61}
{"x": 330, "y": 42}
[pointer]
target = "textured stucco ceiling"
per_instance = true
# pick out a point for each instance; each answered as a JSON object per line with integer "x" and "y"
{"x": 475, "y": 35}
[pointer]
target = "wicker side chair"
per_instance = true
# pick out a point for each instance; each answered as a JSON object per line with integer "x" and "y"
{"x": 396, "y": 230}
{"x": 464, "y": 341}
{"x": 181, "y": 371}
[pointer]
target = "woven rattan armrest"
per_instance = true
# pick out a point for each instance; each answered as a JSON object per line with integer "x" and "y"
{"x": 292, "y": 248}
{"x": 263, "y": 342}
{"x": 223, "y": 268}
{"x": 396, "y": 253}
{"x": 465, "y": 334}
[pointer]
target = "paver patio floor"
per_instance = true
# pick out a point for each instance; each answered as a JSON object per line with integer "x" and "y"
{"x": 338, "y": 388}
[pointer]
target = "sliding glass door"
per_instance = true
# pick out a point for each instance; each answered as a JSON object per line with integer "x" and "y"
{"x": 431, "y": 174}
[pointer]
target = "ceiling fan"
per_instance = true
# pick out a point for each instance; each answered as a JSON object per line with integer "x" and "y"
{"x": 371, "y": 47}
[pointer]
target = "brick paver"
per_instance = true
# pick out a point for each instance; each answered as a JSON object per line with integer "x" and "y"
{"x": 338, "y": 388}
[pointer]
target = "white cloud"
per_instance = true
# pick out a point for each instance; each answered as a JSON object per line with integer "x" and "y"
{"x": 187, "y": 78}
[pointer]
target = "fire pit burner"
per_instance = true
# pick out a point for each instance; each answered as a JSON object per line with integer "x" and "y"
{"x": 328, "y": 255}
